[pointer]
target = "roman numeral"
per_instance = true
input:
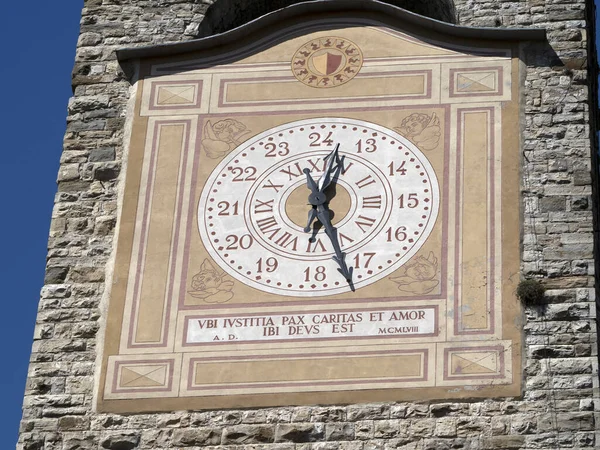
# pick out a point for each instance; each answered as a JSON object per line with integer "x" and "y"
{"x": 291, "y": 173}
{"x": 318, "y": 166}
{"x": 372, "y": 202}
{"x": 263, "y": 207}
{"x": 346, "y": 167}
{"x": 362, "y": 221}
{"x": 270, "y": 185}
{"x": 266, "y": 226}
{"x": 285, "y": 241}
{"x": 365, "y": 182}
{"x": 342, "y": 236}
{"x": 315, "y": 246}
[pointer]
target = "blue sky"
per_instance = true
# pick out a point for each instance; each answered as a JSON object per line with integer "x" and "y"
{"x": 38, "y": 42}
{"x": 39, "y": 39}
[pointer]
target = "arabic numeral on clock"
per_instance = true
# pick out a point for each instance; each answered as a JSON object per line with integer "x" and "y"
{"x": 236, "y": 242}
{"x": 240, "y": 172}
{"x": 411, "y": 201}
{"x": 269, "y": 265}
{"x": 400, "y": 169}
{"x": 272, "y": 149}
{"x": 400, "y": 234}
{"x": 364, "y": 260}
{"x": 317, "y": 140}
{"x": 317, "y": 275}
{"x": 225, "y": 208}
{"x": 369, "y": 145}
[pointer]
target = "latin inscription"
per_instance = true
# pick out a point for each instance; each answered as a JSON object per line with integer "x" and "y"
{"x": 381, "y": 323}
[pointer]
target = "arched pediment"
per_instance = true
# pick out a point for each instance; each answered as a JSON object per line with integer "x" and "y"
{"x": 224, "y": 15}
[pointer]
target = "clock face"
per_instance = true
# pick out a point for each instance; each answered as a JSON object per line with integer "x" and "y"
{"x": 254, "y": 207}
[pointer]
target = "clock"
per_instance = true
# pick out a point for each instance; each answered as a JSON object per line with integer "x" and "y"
{"x": 377, "y": 203}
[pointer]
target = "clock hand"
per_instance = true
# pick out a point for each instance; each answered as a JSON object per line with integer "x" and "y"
{"x": 315, "y": 197}
{"x": 310, "y": 182}
{"x": 312, "y": 215}
{"x": 326, "y": 178}
{"x": 331, "y": 232}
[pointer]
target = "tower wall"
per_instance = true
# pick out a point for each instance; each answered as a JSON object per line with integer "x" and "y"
{"x": 559, "y": 406}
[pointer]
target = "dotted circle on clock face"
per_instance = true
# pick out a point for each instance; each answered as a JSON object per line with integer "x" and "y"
{"x": 251, "y": 225}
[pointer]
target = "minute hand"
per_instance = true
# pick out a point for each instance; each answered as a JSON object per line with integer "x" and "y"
{"x": 326, "y": 178}
{"x": 331, "y": 232}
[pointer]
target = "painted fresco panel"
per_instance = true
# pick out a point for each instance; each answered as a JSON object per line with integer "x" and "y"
{"x": 224, "y": 300}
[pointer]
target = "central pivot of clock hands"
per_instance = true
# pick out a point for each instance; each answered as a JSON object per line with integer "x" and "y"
{"x": 320, "y": 209}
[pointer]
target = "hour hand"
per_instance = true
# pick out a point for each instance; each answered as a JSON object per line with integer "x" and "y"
{"x": 312, "y": 215}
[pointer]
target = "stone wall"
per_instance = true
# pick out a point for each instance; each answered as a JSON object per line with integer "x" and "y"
{"x": 560, "y": 403}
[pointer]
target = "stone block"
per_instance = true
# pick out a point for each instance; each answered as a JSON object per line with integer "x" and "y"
{"x": 68, "y": 172}
{"x": 580, "y": 203}
{"x": 364, "y": 429}
{"x": 56, "y": 275}
{"x": 575, "y": 421}
{"x": 339, "y": 431}
{"x": 386, "y": 429}
{"x": 120, "y": 441}
{"x": 102, "y": 154}
{"x": 106, "y": 171}
{"x": 502, "y": 442}
{"x": 247, "y": 434}
{"x": 196, "y": 437}
{"x": 445, "y": 427}
{"x": 554, "y": 203}
{"x": 299, "y": 432}
{"x": 372, "y": 412}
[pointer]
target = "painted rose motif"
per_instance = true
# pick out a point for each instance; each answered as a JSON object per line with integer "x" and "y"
{"x": 220, "y": 138}
{"x": 208, "y": 285}
{"x": 418, "y": 276}
{"x": 422, "y": 130}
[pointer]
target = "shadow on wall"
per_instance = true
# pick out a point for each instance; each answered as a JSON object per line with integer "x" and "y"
{"x": 224, "y": 15}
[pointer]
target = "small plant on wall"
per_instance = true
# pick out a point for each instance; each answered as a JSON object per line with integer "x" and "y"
{"x": 531, "y": 292}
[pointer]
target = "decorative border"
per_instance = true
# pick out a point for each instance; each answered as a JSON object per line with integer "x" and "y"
{"x": 490, "y": 220}
{"x": 116, "y": 364}
{"x": 498, "y": 91}
{"x": 222, "y": 102}
{"x": 155, "y": 91}
{"x": 497, "y": 350}
{"x": 138, "y": 255}
{"x": 310, "y": 385}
